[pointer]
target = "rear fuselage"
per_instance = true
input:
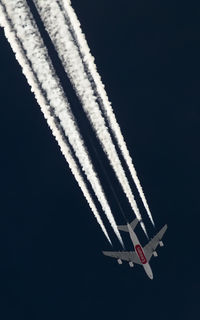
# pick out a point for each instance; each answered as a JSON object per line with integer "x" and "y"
{"x": 139, "y": 251}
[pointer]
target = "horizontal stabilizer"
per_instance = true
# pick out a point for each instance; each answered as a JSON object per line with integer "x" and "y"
{"x": 134, "y": 223}
{"x": 123, "y": 228}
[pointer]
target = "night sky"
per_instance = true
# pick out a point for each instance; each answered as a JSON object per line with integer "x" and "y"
{"x": 51, "y": 265}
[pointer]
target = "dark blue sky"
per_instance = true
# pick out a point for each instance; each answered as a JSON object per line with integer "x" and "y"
{"x": 51, "y": 264}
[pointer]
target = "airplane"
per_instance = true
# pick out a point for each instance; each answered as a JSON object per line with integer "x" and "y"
{"x": 141, "y": 255}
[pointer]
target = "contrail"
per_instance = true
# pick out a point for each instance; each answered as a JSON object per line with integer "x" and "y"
{"x": 100, "y": 92}
{"x": 58, "y": 30}
{"x": 23, "y": 35}
{"x": 32, "y": 80}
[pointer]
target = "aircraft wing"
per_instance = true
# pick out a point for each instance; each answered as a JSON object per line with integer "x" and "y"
{"x": 153, "y": 243}
{"x": 123, "y": 255}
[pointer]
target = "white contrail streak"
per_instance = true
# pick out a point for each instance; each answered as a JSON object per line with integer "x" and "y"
{"x": 56, "y": 25}
{"x": 36, "y": 65}
{"x": 28, "y": 72}
{"x": 101, "y": 94}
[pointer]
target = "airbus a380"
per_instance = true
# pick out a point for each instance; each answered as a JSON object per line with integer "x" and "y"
{"x": 141, "y": 255}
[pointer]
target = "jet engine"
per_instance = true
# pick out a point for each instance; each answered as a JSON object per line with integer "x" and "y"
{"x": 155, "y": 254}
{"x": 131, "y": 264}
{"x": 161, "y": 244}
{"x": 119, "y": 261}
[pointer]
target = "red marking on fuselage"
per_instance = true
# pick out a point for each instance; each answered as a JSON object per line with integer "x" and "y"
{"x": 140, "y": 253}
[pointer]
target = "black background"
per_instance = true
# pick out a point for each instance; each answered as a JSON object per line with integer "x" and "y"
{"x": 51, "y": 265}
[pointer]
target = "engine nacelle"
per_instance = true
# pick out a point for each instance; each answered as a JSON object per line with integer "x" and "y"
{"x": 155, "y": 254}
{"x": 131, "y": 264}
{"x": 119, "y": 261}
{"x": 161, "y": 244}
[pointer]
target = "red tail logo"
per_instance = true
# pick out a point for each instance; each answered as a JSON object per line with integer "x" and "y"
{"x": 140, "y": 254}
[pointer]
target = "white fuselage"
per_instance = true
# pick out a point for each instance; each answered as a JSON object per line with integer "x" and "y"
{"x": 139, "y": 251}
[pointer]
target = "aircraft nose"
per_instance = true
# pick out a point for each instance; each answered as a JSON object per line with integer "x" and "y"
{"x": 151, "y": 276}
{"x": 148, "y": 271}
